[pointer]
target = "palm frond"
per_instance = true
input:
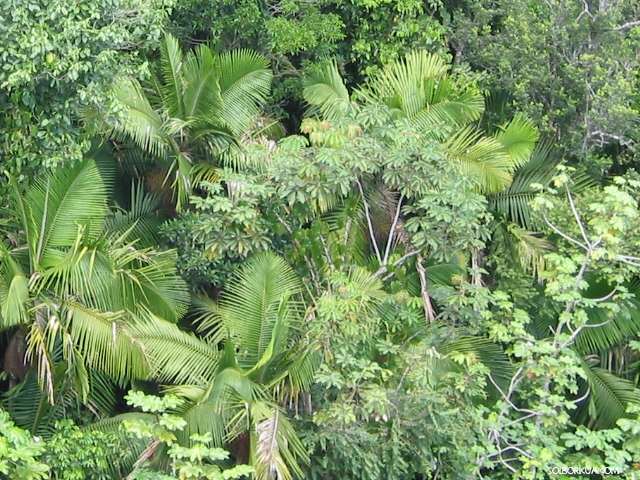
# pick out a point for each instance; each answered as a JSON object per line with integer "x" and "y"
{"x": 171, "y": 64}
{"x": 122, "y": 464}
{"x": 176, "y": 356}
{"x": 487, "y": 352}
{"x": 482, "y": 159}
{"x": 153, "y": 284}
{"x": 105, "y": 344}
{"x": 325, "y": 92}
{"x": 14, "y": 291}
{"x": 609, "y": 395}
{"x": 140, "y": 221}
{"x": 513, "y": 202}
{"x": 29, "y": 223}
{"x": 67, "y": 200}
{"x": 245, "y": 82}
{"x": 208, "y": 319}
{"x": 30, "y": 407}
{"x": 609, "y": 329}
{"x": 418, "y": 87}
{"x": 251, "y": 305}
{"x": 202, "y": 95}
{"x": 518, "y": 138}
{"x": 139, "y": 121}
{"x": 276, "y": 449}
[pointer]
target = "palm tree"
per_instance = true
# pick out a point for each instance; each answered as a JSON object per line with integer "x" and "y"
{"x": 250, "y": 358}
{"x": 195, "y": 111}
{"x": 419, "y": 89}
{"x": 72, "y": 280}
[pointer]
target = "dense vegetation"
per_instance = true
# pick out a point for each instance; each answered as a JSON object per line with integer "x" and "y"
{"x": 357, "y": 239}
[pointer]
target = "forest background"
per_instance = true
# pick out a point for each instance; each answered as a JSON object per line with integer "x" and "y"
{"x": 331, "y": 239}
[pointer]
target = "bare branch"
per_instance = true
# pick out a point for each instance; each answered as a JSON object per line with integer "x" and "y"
{"x": 577, "y": 217}
{"x": 369, "y": 223}
{"x": 426, "y": 300}
{"x": 392, "y": 231}
{"x": 563, "y": 235}
{"x": 624, "y": 26}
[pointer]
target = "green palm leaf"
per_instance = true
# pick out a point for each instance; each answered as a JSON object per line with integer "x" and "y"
{"x": 252, "y": 302}
{"x": 105, "y": 343}
{"x": 513, "y": 202}
{"x": 14, "y": 291}
{"x": 202, "y": 98}
{"x": 172, "y": 86}
{"x": 489, "y": 353}
{"x": 140, "y": 221}
{"x": 176, "y": 356}
{"x": 245, "y": 82}
{"x": 518, "y": 139}
{"x": 139, "y": 121}
{"x": 482, "y": 159}
{"x": 609, "y": 395}
{"x": 325, "y": 92}
{"x": 69, "y": 199}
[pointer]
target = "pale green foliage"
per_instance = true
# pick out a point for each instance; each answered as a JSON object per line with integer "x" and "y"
{"x": 419, "y": 89}
{"x": 594, "y": 231}
{"x": 19, "y": 452}
{"x": 196, "y": 461}
{"x": 221, "y": 229}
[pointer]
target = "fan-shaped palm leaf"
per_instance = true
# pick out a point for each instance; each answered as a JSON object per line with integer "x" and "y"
{"x": 326, "y": 93}
{"x": 71, "y": 198}
{"x": 253, "y": 302}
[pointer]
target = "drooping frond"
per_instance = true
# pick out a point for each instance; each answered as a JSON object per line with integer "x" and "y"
{"x": 326, "y": 93}
{"x": 245, "y": 82}
{"x": 25, "y": 215}
{"x": 208, "y": 319}
{"x": 104, "y": 342}
{"x": 528, "y": 248}
{"x": 176, "y": 356}
{"x": 151, "y": 282}
{"x": 487, "y": 352}
{"x": 14, "y": 291}
{"x": 81, "y": 272}
{"x": 611, "y": 329}
{"x": 276, "y": 448}
{"x": 514, "y": 202}
{"x": 30, "y": 407}
{"x": 609, "y": 395}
